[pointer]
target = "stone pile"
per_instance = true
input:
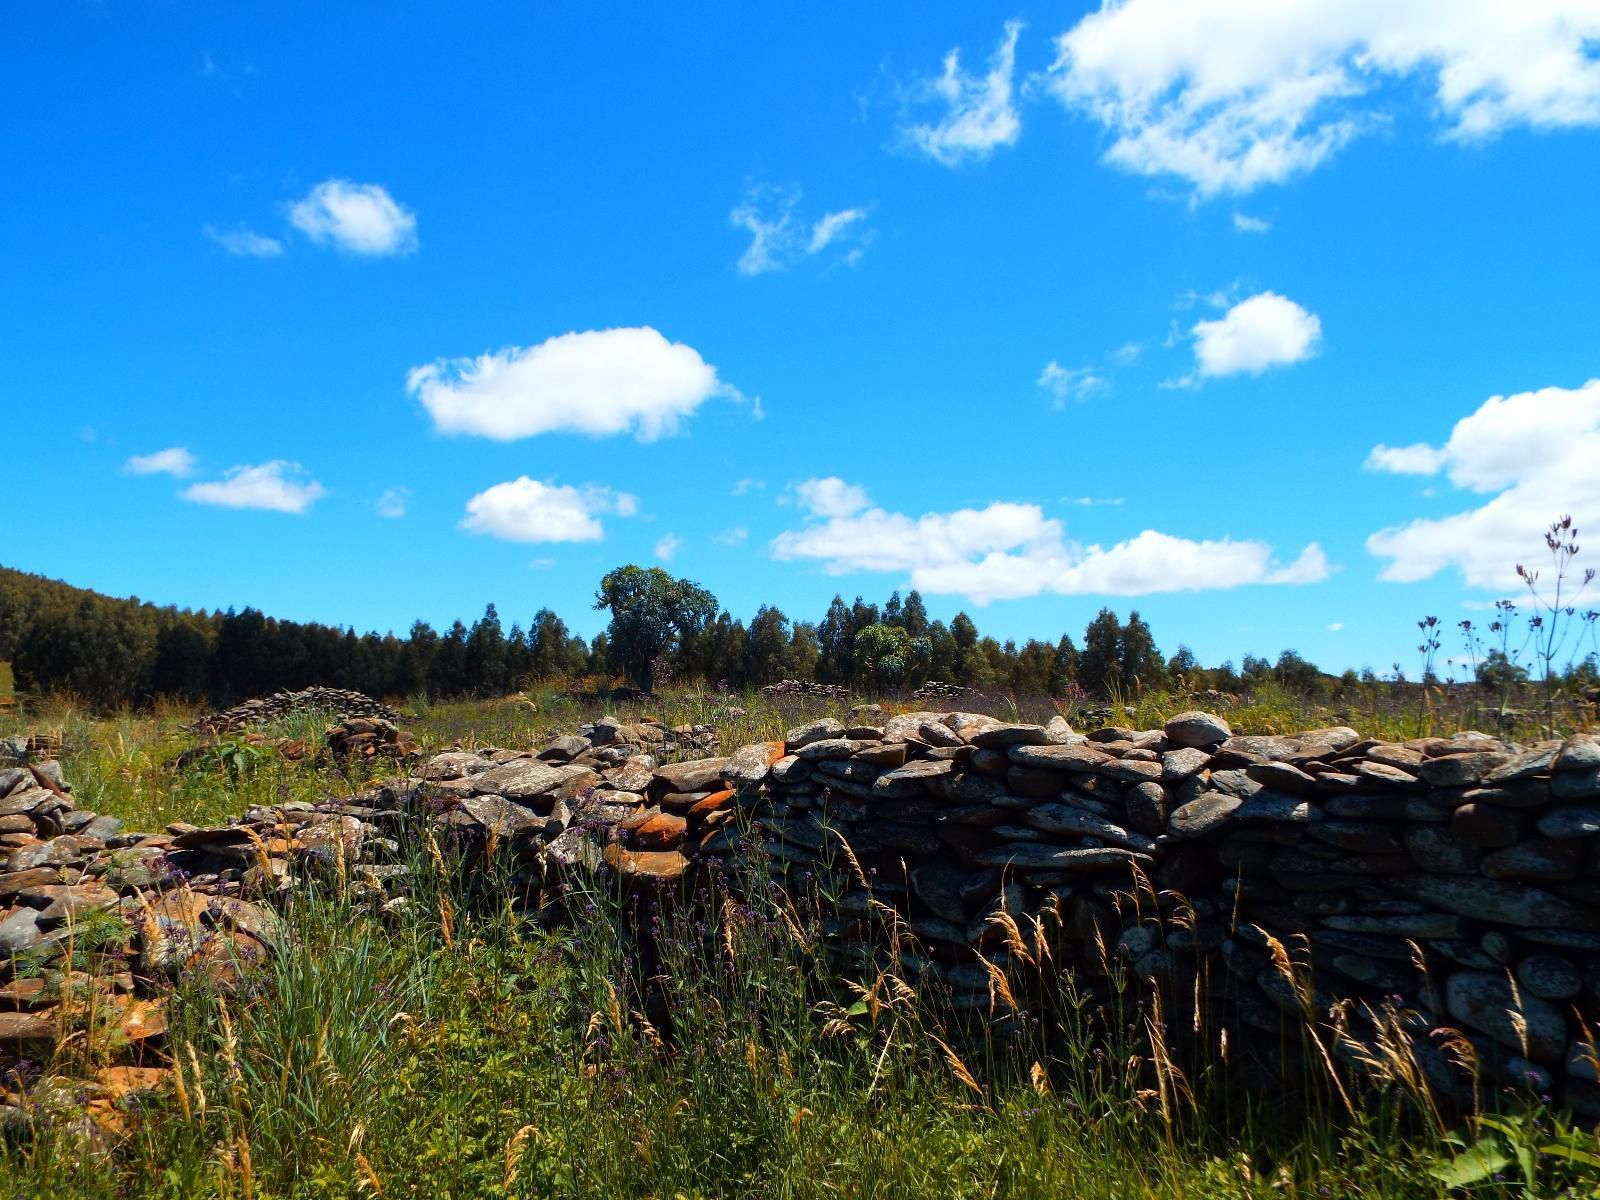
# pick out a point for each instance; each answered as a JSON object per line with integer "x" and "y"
{"x": 1274, "y": 877}
{"x": 338, "y": 701}
{"x": 936, "y": 689}
{"x": 806, "y": 687}
{"x": 1386, "y": 893}
{"x": 371, "y": 738}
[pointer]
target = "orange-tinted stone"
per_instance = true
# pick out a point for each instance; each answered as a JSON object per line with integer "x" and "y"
{"x": 663, "y": 831}
{"x": 666, "y": 866}
{"x": 714, "y": 803}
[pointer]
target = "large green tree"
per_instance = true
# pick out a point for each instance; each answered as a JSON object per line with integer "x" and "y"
{"x": 650, "y": 612}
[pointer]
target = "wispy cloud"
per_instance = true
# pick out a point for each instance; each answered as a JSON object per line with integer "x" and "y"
{"x": 780, "y": 237}
{"x": 979, "y": 113}
{"x": 245, "y": 243}
{"x": 177, "y": 462}
{"x": 393, "y": 502}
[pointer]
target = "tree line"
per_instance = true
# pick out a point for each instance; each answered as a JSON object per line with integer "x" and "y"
{"x": 110, "y": 651}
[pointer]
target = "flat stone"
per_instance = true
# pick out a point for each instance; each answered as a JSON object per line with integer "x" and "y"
{"x": 1039, "y": 856}
{"x": 1062, "y": 819}
{"x": 1195, "y": 728}
{"x": 1523, "y": 766}
{"x": 1387, "y": 776}
{"x": 814, "y": 731}
{"x": 1460, "y": 770}
{"x": 26, "y": 1027}
{"x": 1278, "y": 808}
{"x": 1130, "y": 770}
{"x": 1000, "y": 737}
{"x": 1537, "y": 860}
{"x": 1439, "y": 851}
{"x": 1582, "y": 784}
{"x": 886, "y": 755}
{"x": 522, "y": 779}
{"x": 749, "y": 765}
{"x": 1283, "y": 777}
{"x": 695, "y": 776}
{"x": 1580, "y": 752}
{"x": 20, "y": 931}
{"x": 1522, "y": 1022}
{"x": 501, "y": 817}
{"x": 58, "y": 903}
{"x": 660, "y": 866}
{"x": 1359, "y": 837}
{"x": 1201, "y": 815}
{"x": 1575, "y": 821}
{"x": 1181, "y": 763}
{"x": 1488, "y": 825}
{"x": 912, "y": 778}
{"x": 1549, "y": 976}
{"x": 1421, "y": 925}
{"x": 1080, "y": 756}
{"x": 1493, "y": 900}
{"x": 661, "y": 831}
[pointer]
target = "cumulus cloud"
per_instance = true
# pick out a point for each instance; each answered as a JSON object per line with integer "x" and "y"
{"x": 979, "y": 112}
{"x": 1007, "y": 551}
{"x": 361, "y": 218}
{"x": 780, "y": 237}
{"x": 1244, "y": 223}
{"x": 393, "y": 502}
{"x": 1233, "y": 94}
{"x": 667, "y": 546}
{"x": 1534, "y": 454}
{"x": 831, "y": 497}
{"x": 528, "y": 510}
{"x": 276, "y": 486}
{"x": 1267, "y": 330}
{"x": 599, "y": 383}
{"x": 177, "y": 462}
{"x": 245, "y": 243}
{"x": 1070, "y": 383}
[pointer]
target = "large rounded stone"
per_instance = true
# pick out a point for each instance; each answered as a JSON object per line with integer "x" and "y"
{"x": 1197, "y": 728}
{"x": 1521, "y": 1022}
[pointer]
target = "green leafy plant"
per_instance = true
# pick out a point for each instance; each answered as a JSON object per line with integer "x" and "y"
{"x": 1544, "y": 1152}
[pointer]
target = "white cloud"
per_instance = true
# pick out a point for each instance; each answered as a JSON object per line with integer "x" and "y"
{"x": 361, "y": 218}
{"x": 1127, "y": 354}
{"x": 667, "y": 546}
{"x": 1533, "y": 452}
{"x": 598, "y": 383}
{"x": 980, "y": 114}
{"x": 831, "y": 226}
{"x": 1006, "y": 551}
{"x": 245, "y": 243}
{"x": 1336, "y": 626}
{"x": 177, "y": 462}
{"x": 1243, "y": 223}
{"x": 1093, "y": 501}
{"x": 736, "y": 536}
{"x": 1267, "y": 330}
{"x": 393, "y": 502}
{"x": 831, "y": 497}
{"x": 272, "y": 486}
{"x": 1233, "y": 94}
{"x": 745, "y": 486}
{"x": 541, "y": 563}
{"x": 779, "y": 237}
{"x": 1420, "y": 459}
{"x": 1074, "y": 383}
{"x": 527, "y": 510}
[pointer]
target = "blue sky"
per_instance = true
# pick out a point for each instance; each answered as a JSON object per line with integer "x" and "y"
{"x": 362, "y": 314}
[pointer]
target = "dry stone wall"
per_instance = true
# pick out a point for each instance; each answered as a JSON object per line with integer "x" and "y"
{"x": 1378, "y": 890}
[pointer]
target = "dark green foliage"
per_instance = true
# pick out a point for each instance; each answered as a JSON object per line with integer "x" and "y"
{"x": 650, "y": 612}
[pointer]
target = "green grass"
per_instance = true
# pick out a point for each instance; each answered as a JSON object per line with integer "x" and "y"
{"x": 468, "y": 1052}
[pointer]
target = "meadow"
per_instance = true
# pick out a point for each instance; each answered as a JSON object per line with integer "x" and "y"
{"x": 462, "y": 1047}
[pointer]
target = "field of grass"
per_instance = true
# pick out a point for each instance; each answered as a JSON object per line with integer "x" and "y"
{"x": 460, "y": 1048}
